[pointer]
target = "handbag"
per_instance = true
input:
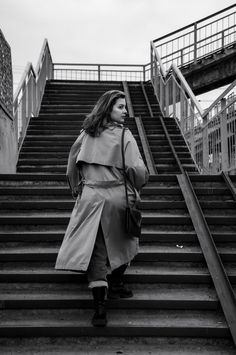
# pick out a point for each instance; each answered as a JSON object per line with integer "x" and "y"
{"x": 133, "y": 217}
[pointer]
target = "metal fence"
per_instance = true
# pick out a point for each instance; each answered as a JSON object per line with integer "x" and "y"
{"x": 101, "y": 72}
{"x": 198, "y": 40}
{"x": 209, "y": 134}
{"x": 29, "y": 94}
{"x": 215, "y": 138}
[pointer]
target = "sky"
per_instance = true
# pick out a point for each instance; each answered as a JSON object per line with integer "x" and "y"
{"x": 94, "y": 31}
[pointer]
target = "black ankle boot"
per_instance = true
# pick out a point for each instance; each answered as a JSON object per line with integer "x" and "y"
{"x": 119, "y": 290}
{"x": 99, "y": 318}
{"x": 116, "y": 288}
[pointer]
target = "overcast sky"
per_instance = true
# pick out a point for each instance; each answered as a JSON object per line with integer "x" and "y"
{"x": 94, "y": 31}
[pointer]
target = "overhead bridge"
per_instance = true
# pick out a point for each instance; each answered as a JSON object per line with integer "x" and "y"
{"x": 204, "y": 51}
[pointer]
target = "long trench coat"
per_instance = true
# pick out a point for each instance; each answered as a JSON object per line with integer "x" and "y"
{"x": 95, "y": 176}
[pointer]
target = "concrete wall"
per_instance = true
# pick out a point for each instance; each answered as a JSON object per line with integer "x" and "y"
{"x": 8, "y": 144}
{"x": 8, "y": 141}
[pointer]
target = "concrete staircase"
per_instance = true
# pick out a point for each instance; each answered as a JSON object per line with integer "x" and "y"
{"x": 175, "y": 309}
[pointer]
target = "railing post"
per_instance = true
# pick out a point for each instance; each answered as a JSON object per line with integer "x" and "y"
{"x": 195, "y": 43}
{"x": 223, "y": 39}
{"x": 181, "y": 58}
{"x": 167, "y": 99}
{"x": 144, "y": 73}
{"x": 99, "y": 72}
{"x": 205, "y": 146}
{"x": 174, "y": 97}
{"x": 192, "y": 135}
{"x": 223, "y": 136}
{"x": 182, "y": 111}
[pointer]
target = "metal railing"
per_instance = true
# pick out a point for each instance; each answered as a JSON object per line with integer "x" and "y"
{"x": 101, "y": 72}
{"x": 209, "y": 134}
{"x": 29, "y": 93}
{"x": 198, "y": 40}
{"x": 218, "y": 133}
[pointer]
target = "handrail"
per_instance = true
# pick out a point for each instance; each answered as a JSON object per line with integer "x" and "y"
{"x": 28, "y": 70}
{"x": 187, "y": 88}
{"x": 203, "y": 37}
{"x": 171, "y": 146}
{"x": 141, "y": 131}
{"x": 193, "y": 23}
{"x": 100, "y": 72}
{"x": 229, "y": 184}
{"x": 216, "y": 269}
{"x": 29, "y": 93}
{"x": 146, "y": 99}
{"x": 163, "y": 71}
{"x": 221, "y": 96}
{"x": 176, "y": 99}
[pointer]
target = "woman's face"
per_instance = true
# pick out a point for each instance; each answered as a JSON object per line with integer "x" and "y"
{"x": 119, "y": 112}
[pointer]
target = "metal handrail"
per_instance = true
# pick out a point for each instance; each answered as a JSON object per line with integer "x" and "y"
{"x": 174, "y": 45}
{"x": 187, "y": 88}
{"x": 221, "y": 96}
{"x": 174, "y": 93}
{"x": 29, "y": 93}
{"x": 216, "y": 269}
{"x": 141, "y": 131}
{"x": 194, "y": 23}
{"x": 99, "y": 71}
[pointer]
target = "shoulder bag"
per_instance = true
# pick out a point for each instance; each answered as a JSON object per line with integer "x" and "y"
{"x": 133, "y": 217}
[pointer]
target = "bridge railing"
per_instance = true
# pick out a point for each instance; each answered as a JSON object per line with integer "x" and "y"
{"x": 28, "y": 96}
{"x": 218, "y": 133}
{"x": 209, "y": 134}
{"x": 198, "y": 40}
{"x": 101, "y": 72}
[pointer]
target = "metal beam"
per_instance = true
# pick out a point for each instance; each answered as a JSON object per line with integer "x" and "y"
{"x": 217, "y": 271}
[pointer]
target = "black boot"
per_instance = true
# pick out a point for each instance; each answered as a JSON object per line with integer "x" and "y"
{"x": 99, "y": 318}
{"x": 116, "y": 288}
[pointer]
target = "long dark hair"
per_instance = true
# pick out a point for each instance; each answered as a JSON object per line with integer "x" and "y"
{"x": 99, "y": 118}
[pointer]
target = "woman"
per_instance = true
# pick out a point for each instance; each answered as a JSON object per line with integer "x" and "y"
{"x": 95, "y": 238}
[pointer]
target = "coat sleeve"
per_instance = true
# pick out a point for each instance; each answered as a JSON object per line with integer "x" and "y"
{"x": 73, "y": 173}
{"x": 135, "y": 168}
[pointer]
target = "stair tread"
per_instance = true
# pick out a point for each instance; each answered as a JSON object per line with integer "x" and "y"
{"x": 80, "y": 291}
{"x": 163, "y": 248}
{"x": 117, "y": 318}
{"x": 119, "y": 345}
{"x": 188, "y": 268}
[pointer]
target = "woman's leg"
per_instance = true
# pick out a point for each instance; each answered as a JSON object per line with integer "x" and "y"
{"x": 117, "y": 289}
{"x": 97, "y": 278}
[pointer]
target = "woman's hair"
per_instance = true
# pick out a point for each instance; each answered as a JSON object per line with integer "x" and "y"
{"x": 100, "y": 117}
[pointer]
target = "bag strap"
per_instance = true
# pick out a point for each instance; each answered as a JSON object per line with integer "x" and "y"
{"x": 123, "y": 164}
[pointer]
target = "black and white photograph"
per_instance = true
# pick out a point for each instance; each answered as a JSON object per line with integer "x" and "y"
{"x": 117, "y": 177}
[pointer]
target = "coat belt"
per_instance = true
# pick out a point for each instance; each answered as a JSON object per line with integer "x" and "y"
{"x": 105, "y": 184}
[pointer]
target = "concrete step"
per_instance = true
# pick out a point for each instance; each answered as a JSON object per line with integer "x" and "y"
{"x": 76, "y": 322}
{"x": 63, "y": 218}
{"x": 154, "y": 296}
{"x": 139, "y": 272}
{"x": 148, "y": 252}
{"x": 127, "y": 345}
{"x": 149, "y": 235}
